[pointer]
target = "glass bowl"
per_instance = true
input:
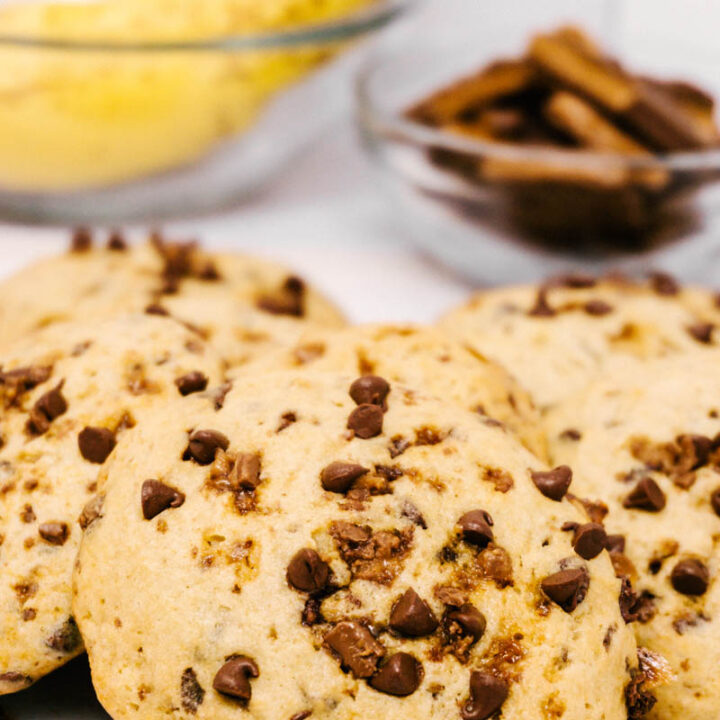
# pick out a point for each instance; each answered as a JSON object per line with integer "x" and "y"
{"x": 530, "y": 211}
{"x": 96, "y": 130}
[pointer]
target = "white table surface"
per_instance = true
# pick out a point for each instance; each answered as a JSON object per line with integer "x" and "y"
{"x": 325, "y": 218}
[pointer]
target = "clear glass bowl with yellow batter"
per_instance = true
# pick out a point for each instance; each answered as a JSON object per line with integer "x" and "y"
{"x": 116, "y": 110}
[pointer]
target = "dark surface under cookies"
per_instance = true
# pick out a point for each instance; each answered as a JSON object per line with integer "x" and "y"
{"x": 64, "y": 695}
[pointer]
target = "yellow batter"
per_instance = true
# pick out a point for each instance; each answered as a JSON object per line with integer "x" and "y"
{"x": 83, "y": 119}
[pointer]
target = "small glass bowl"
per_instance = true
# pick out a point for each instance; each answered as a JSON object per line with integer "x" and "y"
{"x": 95, "y": 131}
{"x": 533, "y": 211}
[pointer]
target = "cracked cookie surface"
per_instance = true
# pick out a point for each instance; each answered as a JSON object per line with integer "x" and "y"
{"x": 418, "y": 357}
{"x": 273, "y": 558}
{"x": 243, "y": 305}
{"x": 70, "y": 394}
{"x": 556, "y": 337}
{"x": 645, "y": 441}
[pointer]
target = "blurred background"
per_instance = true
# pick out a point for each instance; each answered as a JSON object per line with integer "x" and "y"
{"x": 261, "y": 139}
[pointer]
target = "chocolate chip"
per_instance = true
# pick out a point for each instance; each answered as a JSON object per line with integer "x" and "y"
{"x": 304, "y": 715}
{"x": 307, "y": 571}
{"x": 289, "y": 299}
{"x": 401, "y": 675}
{"x": 567, "y": 588}
{"x": 366, "y": 421}
{"x": 52, "y": 403}
{"x": 465, "y": 621}
{"x": 208, "y": 272}
{"x": 294, "y": 284}
{"x": 627, "y": 601}
{"x": 690, "y": 577}
{"x": 412, "y": 616}
{"x": 702, "y": 332}
{"x": 246, "y": 471}
{"x": 370, "y": 390}
{"x": 589, "y": 540}
{"x": 571, "y": 434}
{"x": 55, "y": 533}
{"x": 49, "y": 406}
{"x": 646, "y": 495}
{"x": 81, "y": 240}
{"x": 597, "y": 308}
{"x": 178, "y": 258}
{"x": 488, "y": 693}
{"x": 555, "y": 483}
{"x": 664, "y": 284}
{"x": 476, "y": 527}
{"x": 116, "y": 241}
{"x": 542, "y": 308}
{"x": 96, "y": 444}
{"x": 66, "y": 639}
{"x": 192, "y": 693}
{"x": 358, "y": 650}
{"x": 191, "y": 383}
{"x": 338, "y": 477}
{"x": 233, "y": 678}
{"x": 615, "y": 543}
{"x": 312, "y": 612}
{"x": 156, "y": 497}
{"x": 157, "y": 309}
{"x": 203, "y": 445}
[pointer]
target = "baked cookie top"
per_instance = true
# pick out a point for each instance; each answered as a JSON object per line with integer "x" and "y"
{"x": 646, "y": 442}
{"x": 279, "y": 559}
{"x": 244, "y": 305}
{"x": 556, "y": 337}
{"x": 69, "y": 394}
{"x": 419, "y": 357}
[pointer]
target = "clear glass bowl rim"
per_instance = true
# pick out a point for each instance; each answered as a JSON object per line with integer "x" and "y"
{"x": 395, "y": 127}
{"x": 358, "y": 23}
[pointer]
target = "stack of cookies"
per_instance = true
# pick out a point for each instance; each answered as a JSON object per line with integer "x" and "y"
{"x": 241, "y": 508}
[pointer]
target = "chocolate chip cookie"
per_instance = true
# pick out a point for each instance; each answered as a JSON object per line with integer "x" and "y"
{"x": 644, "y": 443}
{"x": 243, "y": 305}
{"x": 556, "y": 337}
{"x": 70, "y": 393}
{"x": 281, "y": 557}
{"x": 418, "y": 357}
